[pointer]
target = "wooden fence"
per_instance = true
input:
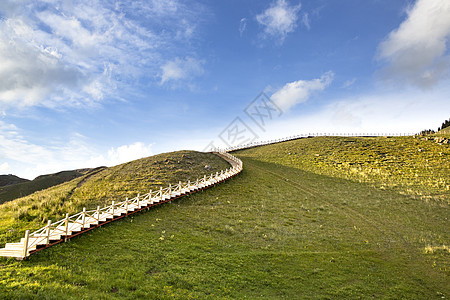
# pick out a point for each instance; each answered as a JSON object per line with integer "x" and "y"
{"x": 70, "y": 226}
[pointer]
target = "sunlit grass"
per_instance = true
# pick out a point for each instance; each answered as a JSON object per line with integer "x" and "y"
{"x": 418, "y": 166}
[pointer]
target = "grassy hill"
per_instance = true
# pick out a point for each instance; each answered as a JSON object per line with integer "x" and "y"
{"x": 10, "y": 179}
{"x": 417, "y": 166}
{"x": 100, "y": 187}
{"x": 21, "y": 188}
{"x": 291, "y": 226}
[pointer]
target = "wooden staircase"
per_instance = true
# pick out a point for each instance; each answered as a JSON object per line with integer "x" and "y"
{"x": 84, "y": 221}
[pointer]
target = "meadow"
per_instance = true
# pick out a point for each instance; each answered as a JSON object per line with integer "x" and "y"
{"x": 292, "y": 225}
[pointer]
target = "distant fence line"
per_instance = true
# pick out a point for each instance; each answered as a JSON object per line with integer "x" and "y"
{"x": 56, "y": 232}
{"x": 307, "y": 135}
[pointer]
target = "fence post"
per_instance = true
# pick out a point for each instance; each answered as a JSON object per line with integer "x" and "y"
{"x": 112, "y": 207}
{"x": 161, "y": 193}
{"x": 66, "y": 224}
{"x": 150, "y": 199}
{"x": 126, "y": 206}
{"x": 25, "y": 244}
{"x": 98, "y": 214}
{"x": 83, "y": 218}
{"x": 47, "y": 231}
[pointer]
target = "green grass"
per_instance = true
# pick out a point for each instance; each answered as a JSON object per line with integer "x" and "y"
{"x": 417, "y": 166}
{"x": 280, "y": 229}
{"x": 115, "y": 183}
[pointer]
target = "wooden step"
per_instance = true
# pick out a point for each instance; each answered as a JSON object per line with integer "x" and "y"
{"x": 14, "y": 246}
{"x": 11, "y": 253}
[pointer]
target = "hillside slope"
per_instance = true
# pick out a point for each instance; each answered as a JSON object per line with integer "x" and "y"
{"x": 27, "y": 187}
{"x": 10, "y": 179}
{"x": 274, "y": 231}
{"x": 102, "y": 187}
{"x": 418, "y": 166}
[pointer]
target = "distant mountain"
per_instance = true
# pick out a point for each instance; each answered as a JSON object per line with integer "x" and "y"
{"x": 10, "y": 179}
{"x": 12, "y": 187}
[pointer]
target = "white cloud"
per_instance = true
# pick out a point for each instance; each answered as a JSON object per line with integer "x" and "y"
{"x": 179, "y": 69}
{"x": 279, "y": 19}
{"x": 122, "y": 154}
{"x": 29, "y": 74}
{"x": 60, "y": 53}
{"x": 299, "y": 91}
{"x": 242, "y": 26}
{"x": 417, "y": 51}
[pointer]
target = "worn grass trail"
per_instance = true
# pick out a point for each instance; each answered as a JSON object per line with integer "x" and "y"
{"x": 274, "y": 231}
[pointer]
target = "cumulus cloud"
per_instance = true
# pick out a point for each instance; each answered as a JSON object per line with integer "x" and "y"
{"x": 417, "y": 51}
{"x": 299, "y": 91}
{"x": 279, "y": 19}
{"x": 59, "y": 53}
{"x": 179, "y": 69}
{"x": 122, "y": 154}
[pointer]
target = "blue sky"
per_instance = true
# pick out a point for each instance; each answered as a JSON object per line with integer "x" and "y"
{"x": 90, "y": 83}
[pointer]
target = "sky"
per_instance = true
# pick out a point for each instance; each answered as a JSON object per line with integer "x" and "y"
{"x": 86, "y": 83}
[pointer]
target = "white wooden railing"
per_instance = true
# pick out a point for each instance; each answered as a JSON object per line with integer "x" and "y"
{"x": 70, "y": 226}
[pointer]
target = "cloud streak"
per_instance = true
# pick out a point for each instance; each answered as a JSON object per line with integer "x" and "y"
{"x": 417, "y": 51}
{"x": 242, "y": 26}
